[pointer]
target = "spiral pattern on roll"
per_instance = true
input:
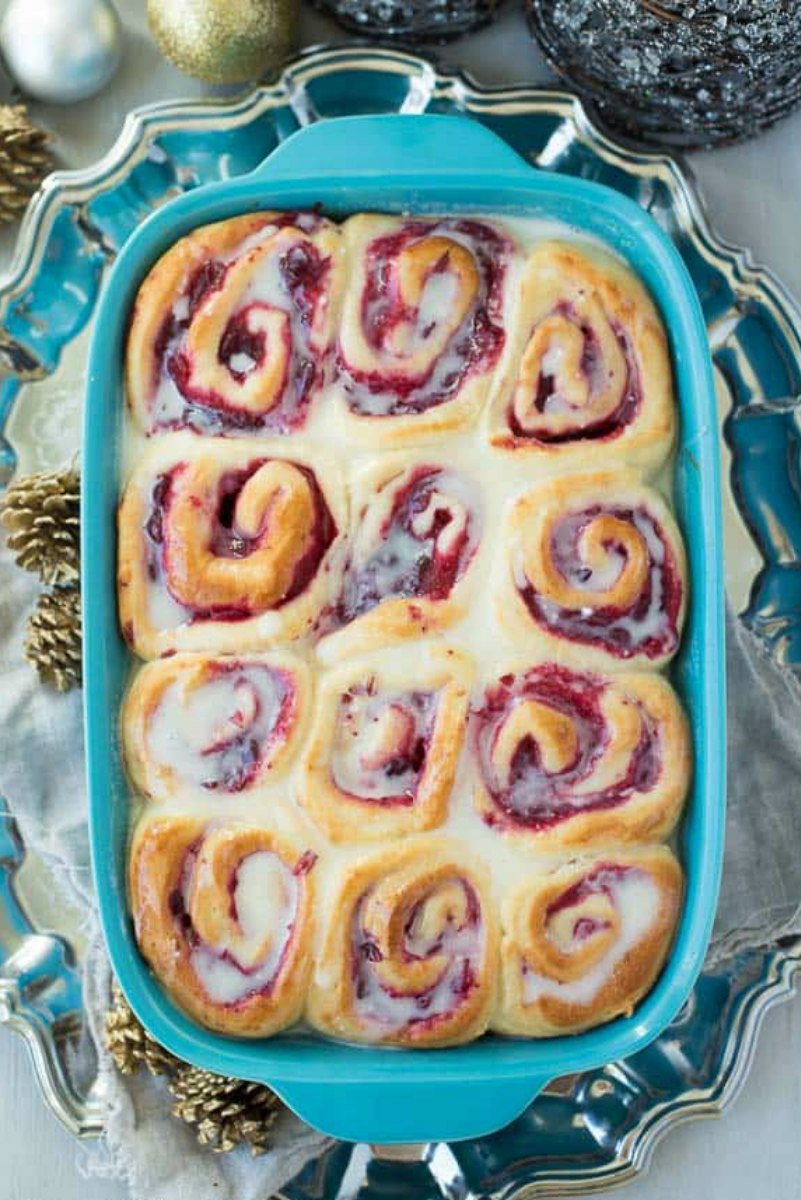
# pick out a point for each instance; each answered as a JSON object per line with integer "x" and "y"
{"x": 598, "y": 563}
{"x": 224, "y": 915}
{"x": 409, "y": 958}
{"x": 571, "y": 758}
{"x": 583, "y": 944}
{"x": 213, "y": 724}
{"x": 590, "y": 363}
{"x": 233, "y": 327}
{"x": 423, "y": 320}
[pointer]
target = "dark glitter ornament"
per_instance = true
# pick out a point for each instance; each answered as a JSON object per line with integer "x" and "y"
{"x": 677, "y": 73}
{"x": 411, "y": 20}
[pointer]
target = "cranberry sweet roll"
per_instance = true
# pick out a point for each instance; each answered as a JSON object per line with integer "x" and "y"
{"x": 416, "y": 527}
{"x": 233, "y": 328}
{"x": 213, "y": 725}
{"x": 382, "y": 755}
{"x": 590, "y": 369}
{"x": 595, "y": 573}
{"x": 224, "y": 916}
{"x": 409, "y": 953}
{"x": 585, "y": 943}
{"x": 576, "y": 760}
{"x": 423, "y": 323}
{"x": 229, "y": 545}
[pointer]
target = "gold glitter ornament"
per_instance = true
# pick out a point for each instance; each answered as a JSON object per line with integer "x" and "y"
{"x": 224, "y": 41}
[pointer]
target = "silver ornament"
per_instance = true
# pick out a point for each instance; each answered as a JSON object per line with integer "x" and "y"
{"x": 60, "y": 50}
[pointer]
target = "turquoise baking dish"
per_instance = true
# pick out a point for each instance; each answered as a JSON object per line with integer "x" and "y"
{"x": 428, "y": 164}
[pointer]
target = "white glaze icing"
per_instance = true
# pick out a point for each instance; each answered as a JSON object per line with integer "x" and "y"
{"x": 266, "y": 901}
{"x": 637, "y": 900}
{"x": 198, "y": 731}
{"x": 267, "y": 287}
{"x": 392, "y": 1012}
{"x": 370, "y": 727}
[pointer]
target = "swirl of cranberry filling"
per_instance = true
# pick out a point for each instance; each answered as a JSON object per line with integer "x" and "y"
{"x": 416, "y": 950}
{"x": 221, "y": 729}
{"x": 552, "y": 743}
{"x": 415, "y": 542}
{"x": 578, "y": 378}
{"x": 577, "y": 934}
{"x": 607, "y": 576}
{"x": 382, "y": 744}
{"x": 586, "y": 941}
{"x": 243, "y": 345}
{"x": 229, "y": 546}
{"x": 430, "y": 315}
{"x": 223, "y": 914}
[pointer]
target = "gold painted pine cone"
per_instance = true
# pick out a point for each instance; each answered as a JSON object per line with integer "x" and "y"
{"x": 24, "y": 159}
{"x": 41, "y": 514}
{"x": 225, "y": 1112}
{"x": 53, "y": 639}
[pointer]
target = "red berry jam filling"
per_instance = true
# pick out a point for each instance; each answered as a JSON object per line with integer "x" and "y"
{"x": 602, "y": 880}
{"x": 458, "y": 941}
{"x": 304, "y": 275}
{"x": 427, "y": 543}
{"x": 649, "y": 627}
{"x": 264, "y": 710}
{"x": 533, "y": 797}
{"x": 548, "y": 398}
{"x": 228, "y": 541}
{"x": 474, "y": 347}
{"x": 243, "y": 980}
{"x": 382, "y": 744}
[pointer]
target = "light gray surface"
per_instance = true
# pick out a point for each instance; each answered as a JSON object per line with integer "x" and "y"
{"x": 754, "y": 195}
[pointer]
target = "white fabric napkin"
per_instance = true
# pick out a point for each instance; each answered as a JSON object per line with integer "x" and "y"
{"x": 42, "y": 777}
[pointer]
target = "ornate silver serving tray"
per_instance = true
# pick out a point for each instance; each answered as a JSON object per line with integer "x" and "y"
{"x": 586, "y": 1132}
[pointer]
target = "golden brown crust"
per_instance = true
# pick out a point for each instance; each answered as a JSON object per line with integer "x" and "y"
{"x": 180, "y": 879}
{"x": 435, "y": 894}
{"x": 187, "y": 678}
{"x": 607, "y": 546}
{"x": 557, "y": 981}
{"x": 640, "y": 730}
{"x": 392, "y": 689}
{"x": 195, "y": 581}
{"x": 566, "y": 292}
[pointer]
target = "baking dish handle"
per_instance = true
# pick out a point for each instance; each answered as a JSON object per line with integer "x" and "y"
{"x": 410, "y": 1110}
{"x": 424, "y": 145}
